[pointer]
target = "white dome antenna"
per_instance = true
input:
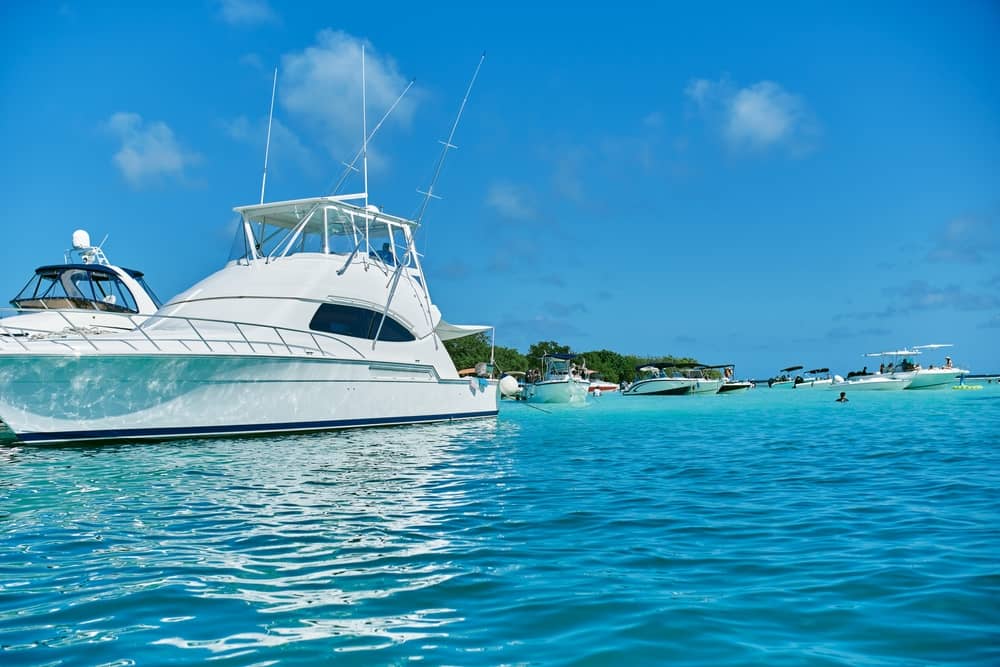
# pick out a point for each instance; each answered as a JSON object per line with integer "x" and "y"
{"x": 81, "y": 240}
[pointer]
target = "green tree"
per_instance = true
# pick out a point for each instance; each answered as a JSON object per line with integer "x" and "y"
{"x": 467, "y": 351}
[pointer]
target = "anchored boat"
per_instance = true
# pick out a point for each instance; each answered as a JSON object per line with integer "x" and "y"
{"x": 325, "y": 321}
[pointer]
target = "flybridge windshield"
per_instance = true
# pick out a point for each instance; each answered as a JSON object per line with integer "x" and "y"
{"x": 315, "y": 226}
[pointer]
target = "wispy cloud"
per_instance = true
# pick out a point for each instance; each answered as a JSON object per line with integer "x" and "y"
{"x": 148, "y": 150}
{"x": 246, "y": 12}
{"x": 322, "y": 86}
{"x": 918, "y": 295}
{"x": 756, "y": 117}
{"x": 966, "y": 241}
{"x": 559, "y": 309}
{"x": 511, "y": 201}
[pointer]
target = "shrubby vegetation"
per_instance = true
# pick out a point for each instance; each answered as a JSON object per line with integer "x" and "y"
{"x": 612, "y": 366}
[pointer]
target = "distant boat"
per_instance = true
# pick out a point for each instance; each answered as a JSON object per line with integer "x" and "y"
{"x": 559, "y": 382}
{"x": 86, "y": 292}
{"x": 660, "y": 379}
{"x": 902, "y": 365}
{"x": 598, "y": 383}
{"x": 784, "y": 380}
{"x": 817, "y": 378}
{"x": 729, "y": 384}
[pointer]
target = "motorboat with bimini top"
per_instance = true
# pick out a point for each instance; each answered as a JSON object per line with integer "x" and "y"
{"x": 729, "y": 384}
{"x": 86, "y": 292}
{"x": 560, "y": 381}
{"x": 817, "y": 378}
{"x": 660, "y": 379}
{"x": 309, "y": 328}
{"x": 784, "y": 379}
{"x": 902, "y": 365}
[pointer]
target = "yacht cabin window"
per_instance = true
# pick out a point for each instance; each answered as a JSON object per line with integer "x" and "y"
{"x": 358, "y": 322}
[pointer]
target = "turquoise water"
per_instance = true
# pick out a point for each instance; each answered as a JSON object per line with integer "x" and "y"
{"x": 770, "y": 528}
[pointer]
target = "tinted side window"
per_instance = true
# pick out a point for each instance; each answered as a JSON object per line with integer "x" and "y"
{"x": 357, "y": 322}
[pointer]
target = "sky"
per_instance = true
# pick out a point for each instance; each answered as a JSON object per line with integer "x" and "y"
{"x": 764, "y": 184}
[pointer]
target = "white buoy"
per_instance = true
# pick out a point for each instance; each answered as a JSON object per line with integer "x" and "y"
{"x": 509, "y": 386}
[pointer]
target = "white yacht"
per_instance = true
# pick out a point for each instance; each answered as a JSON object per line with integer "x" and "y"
{"x": 86, "y": 291}
{"x": 559, "y": 381}
{"x": 324, "y": 321}
{"x": 659, "y": 379}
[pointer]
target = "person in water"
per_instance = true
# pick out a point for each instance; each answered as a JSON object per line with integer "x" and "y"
{"x": 843, "y": 397}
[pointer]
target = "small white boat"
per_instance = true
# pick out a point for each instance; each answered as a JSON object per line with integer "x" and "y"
{"x": 729, "y": 384}
{"x": 559, "y": 382}
{"x": 784, "y": 379}
{"x": 659, "y": 379}
{"x": 599, "y": 384}
{"x": 86, "y": 292}
{"x": 817, "y": 378}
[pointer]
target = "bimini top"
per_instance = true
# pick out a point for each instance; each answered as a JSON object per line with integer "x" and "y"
{"x": 791, "y": 368}
{"x": 92, "y": 268}
{"x": 818, "y": 370}
{"x": 290, "y": 213}
{"x": 894, "y": 353}
{"x": 560, "y": 355}
{"x": 660, "y": 365}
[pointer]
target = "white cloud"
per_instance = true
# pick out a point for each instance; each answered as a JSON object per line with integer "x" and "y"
{"x": 148, "y": 150}
{"x": 322, "y": 86}
{"x": 510, "y": 201}
{"x": 756, "y": 117}
{"x": 246, "y": 12}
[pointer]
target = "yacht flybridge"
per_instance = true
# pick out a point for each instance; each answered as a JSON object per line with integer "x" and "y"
{"x": 323, "y": 321}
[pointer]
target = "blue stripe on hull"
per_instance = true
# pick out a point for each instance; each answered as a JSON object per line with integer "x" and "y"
{"x": 238, "y": 429}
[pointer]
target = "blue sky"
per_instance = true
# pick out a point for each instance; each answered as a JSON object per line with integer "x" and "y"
{"x": 767, "y": 185}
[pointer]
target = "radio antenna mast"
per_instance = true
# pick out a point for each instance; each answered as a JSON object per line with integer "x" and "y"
{"x": 446, "y": 145}
{"x": 348, "y": 168}
{"x": 267, "y": 146}
{"x": 364, "y": 126}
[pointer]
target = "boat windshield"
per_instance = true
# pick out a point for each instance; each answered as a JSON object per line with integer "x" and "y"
{"x": 75, "y": 287}
{"x": 284, "y": 230}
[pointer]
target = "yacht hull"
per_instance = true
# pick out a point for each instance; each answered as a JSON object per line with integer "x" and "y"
{"x": 706, "y": 386}
{"x": 824, "y": 383}
{"x": 65, "y": 398}
{"x": 873, "y": 383}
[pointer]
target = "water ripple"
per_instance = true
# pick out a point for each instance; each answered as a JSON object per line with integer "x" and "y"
{"x": 779, "y": 530}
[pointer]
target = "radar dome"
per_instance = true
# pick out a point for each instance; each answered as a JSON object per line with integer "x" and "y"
{"x": 81, "y": 239}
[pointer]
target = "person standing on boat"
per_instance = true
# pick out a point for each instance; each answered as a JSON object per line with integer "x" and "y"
{"x": 947, "y": 362}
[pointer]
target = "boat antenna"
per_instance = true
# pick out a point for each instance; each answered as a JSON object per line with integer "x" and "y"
{"x": 267, "y": 146}
{"x": 364, "y": 126}
{"x": 446, "y": 145}
{"x": 348, "y": 168}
